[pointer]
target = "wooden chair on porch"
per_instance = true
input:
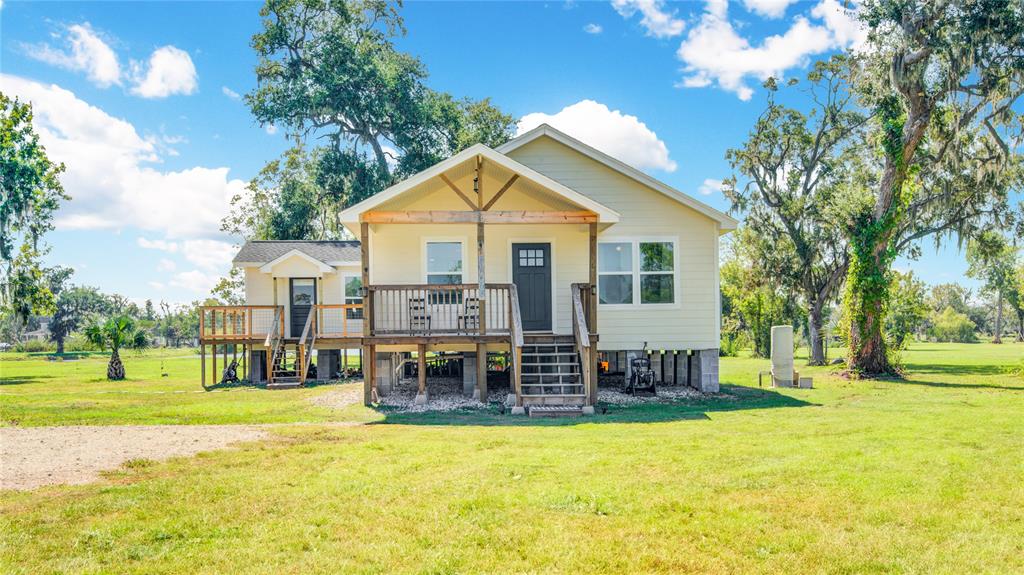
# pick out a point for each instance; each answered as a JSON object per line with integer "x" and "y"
{"x": 419, "y": 317}
{"x": 469, "y": 319}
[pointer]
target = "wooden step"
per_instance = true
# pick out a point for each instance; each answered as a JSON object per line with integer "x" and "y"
{"x": 285, "y": 383}
{"x": 555, "y": 410}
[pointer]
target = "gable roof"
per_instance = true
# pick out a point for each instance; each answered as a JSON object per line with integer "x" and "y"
{"x": 261, "y": 252}
{"x": 605, "y": 214}
{"x": 725, "y": 221}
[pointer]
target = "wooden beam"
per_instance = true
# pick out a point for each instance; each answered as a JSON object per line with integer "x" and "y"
{"x": 364, "y": 248}
{"x": 466, "y": 217}
{"x": 501, "y": 192}
{"x": 481, "y": 371}
{"x": 421, "y": 367}
{"x": 458, "y": 191}
{"x": 367, "y": 366}
{"x": 592, "y": 308}
{"x": 480, "y": 265}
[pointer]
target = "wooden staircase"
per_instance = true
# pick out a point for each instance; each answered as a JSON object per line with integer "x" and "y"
{"x": 551, "y": 376}
{"x": 286, "y": 366}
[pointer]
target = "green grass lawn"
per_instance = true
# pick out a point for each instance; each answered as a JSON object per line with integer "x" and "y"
{"x": 34, "y": 391}
{"x": 922, "y": 475}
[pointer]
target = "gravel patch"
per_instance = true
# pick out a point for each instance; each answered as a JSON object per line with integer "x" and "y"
{"x": 665, "y": 395}
{"x": 339, "y": 398}
{"x": 445, "y": 394}
{"x": 31, "y": 457}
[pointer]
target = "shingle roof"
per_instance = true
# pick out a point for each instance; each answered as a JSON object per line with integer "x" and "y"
{"x": 263, "y": 251}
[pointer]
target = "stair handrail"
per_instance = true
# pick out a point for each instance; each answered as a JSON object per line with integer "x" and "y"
{"x": 581, "y": 334}
{"x": 307, "y": 354}
{"x": 515, "y": 329}
{"x": 272, "y": 343}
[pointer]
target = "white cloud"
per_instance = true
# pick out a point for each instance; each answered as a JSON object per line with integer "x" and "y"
{"x": 714, "y": 53}
{"x": 170, "y": 72}
{"x": 619, "y": 135}
{"x": 212, "y": 255}
{"x": 159, "y": 286}
{"x": 86, "y": 52}
{"x": 162, "y": 245}
{"x": 195, "y": 281}
{"x": 270, "y": 129}
{"x": 593, "y": 28}
{"x": 230, "y": 93}
{"x": 710, "y": 186}
{"x": 842, "y": 22}
{"x": 109, "y": 175}
{"x": 768, "y": 8}
{"x": 166, "y": 265}
{"x": 655, "y": 20}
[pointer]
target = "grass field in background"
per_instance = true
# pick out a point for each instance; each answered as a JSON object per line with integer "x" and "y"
{"x": 34, "y": 391}
{"x": 921, "y": 475}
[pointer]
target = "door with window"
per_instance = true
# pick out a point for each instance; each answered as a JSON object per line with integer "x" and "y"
{"x": 531, "y": 272}
{"x": 302, "y": 299}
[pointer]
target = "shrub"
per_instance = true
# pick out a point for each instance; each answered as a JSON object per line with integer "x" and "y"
{"x": 952, "y": 326}
{"x": 79, "y": 342}
{"x": 35, "y": 346}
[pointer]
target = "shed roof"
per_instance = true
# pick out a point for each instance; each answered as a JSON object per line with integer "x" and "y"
{"x": 259, "y": 252}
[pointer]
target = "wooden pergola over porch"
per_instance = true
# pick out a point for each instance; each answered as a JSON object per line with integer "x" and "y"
{"x": 498, "y": 314}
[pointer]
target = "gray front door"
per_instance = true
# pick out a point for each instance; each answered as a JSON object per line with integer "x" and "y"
{"x": 531, "y": 272}
{"x": 303, "y": 296}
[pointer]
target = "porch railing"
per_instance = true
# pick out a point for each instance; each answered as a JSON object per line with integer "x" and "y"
{"x": 339, "y": 320}
{"x": 515, "y": 323}
{"x": 432, "y": 310}
{"x": 581, "y": 332}
{"x": 227, "y": 322}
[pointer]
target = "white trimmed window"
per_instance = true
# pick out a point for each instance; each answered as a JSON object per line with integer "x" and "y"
{"x": 354, "y": 295}
{"x": 444, "y": 263}
{"x": 615, "y": 273}
{"x": 636, "y": 272}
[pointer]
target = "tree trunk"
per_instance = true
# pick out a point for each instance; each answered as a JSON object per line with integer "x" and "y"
{"x": 1020, "y": 325}
{"x": 867, "y": 289}
{"x": 999, "y": 318}
{"x": 60, "y": 346}
{"x": 815, "y": 335}
{"x": 115, "y": 369}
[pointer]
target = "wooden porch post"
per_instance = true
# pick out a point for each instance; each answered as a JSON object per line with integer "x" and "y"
{"x": 481, "y": 371}
{"x": 421, "y": 367}
{"x": 478, "y": 184}
{"x": 369, "y": 352}
{"x": 592, "y": 317}
{"x": 202, "y": 361}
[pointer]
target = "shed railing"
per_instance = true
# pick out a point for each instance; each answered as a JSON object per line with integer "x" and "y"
{"x": 231, "y": 322}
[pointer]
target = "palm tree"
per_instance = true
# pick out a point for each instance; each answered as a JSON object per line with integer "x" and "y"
{"x": 116, "y": 333}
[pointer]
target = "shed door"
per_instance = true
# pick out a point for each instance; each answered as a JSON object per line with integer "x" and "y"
{"x": 303, "y": 296}
{"x": 531, "y": 272}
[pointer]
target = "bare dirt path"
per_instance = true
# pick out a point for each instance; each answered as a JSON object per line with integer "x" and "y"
{"x": 31, "y": 457}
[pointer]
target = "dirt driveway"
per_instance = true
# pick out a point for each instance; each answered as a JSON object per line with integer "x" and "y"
{"x": 31, "y": 457}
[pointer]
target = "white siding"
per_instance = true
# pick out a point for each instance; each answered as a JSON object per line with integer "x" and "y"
{"x": 693, "y": 324}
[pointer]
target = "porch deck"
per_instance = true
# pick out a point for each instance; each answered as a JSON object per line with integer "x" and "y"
{"x": 421, "y": 316}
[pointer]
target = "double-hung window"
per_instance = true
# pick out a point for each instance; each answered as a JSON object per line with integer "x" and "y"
{"x": 615, "y": 272}
{"x": 636, "y": 272}
{"x": 444, "y": 267}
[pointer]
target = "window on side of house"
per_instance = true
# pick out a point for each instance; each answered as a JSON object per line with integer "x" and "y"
{"x": 657, "y": 272}
{"x": 354, "y": 296}
{"x": 615, "y": 273}
{"x": 636, "y": 272}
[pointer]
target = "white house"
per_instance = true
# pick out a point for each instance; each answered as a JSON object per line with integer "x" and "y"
{"x": 543, "y": 251}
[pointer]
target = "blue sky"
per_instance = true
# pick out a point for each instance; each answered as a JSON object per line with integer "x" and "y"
{"x": 140, "y": 101}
